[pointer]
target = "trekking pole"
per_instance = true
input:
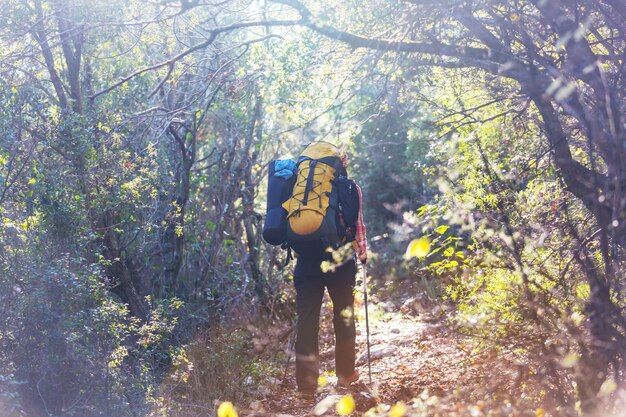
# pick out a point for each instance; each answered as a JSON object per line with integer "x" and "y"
{"x": 367, "y": 322}
{"x": 290, "y": 346}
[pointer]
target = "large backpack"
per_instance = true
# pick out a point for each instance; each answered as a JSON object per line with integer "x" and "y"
{"x": 315, "y": 219}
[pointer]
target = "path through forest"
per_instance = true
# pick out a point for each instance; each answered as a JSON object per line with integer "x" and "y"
{"x": 416, "y": 359}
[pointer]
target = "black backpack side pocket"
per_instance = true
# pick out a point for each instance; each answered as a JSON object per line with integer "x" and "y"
{"x": 279, "y": 188}
{"x": 348, "y": 206}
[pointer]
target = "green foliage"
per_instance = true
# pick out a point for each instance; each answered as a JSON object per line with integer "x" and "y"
{"x": 504, "y": 235}
{"x": 391, "y": 161}
{"x": 215, "y": 365}
{"x": 132, "y": 182}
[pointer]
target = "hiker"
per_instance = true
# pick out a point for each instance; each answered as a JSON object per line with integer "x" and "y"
{"x": 312, "y": 206}
{"x": 310, "y": 281}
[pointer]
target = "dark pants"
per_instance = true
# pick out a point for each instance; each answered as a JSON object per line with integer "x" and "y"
{"x": 310, "y": 282}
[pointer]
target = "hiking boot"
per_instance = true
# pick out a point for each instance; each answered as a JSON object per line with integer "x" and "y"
{"x": 306, "y": 397}
{"x": 345, "y": 381}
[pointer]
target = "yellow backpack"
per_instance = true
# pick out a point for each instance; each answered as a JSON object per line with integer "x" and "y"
{"x": 313, "y": 208}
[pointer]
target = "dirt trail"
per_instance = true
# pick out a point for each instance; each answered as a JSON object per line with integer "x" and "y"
{"x": 412, "y": 350}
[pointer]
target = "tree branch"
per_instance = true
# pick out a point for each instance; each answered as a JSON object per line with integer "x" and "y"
{"x": 357, "y": 41}
{"x": 40, "y": 36}
{"x": 211, "y": 38}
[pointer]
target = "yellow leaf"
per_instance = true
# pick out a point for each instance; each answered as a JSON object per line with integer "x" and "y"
{"x": 226, "y": 409}
{"x": 321, "y": 381}
{"x": 398, "y": 410}
{"x": 418, "y": 248}
{"x": 569, "y": 361}
{"x": 345, "y": 405}
{"x": 539, "y": 412}
{"x": 608, "y": 387}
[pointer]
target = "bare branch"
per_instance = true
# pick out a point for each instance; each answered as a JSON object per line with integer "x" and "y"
{"x": 210, "y": 39}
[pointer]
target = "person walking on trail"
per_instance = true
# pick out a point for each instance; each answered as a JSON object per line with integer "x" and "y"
{"x": 313, "y": 207}
{"x": 310, "y": 281}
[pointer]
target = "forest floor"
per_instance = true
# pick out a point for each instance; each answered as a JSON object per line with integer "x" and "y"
{"x": 417, "y": 360}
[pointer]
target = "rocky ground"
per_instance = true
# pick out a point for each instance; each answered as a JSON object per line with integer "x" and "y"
{"x": 417, "y": 360}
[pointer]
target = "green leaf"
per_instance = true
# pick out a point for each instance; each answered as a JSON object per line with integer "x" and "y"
{"x": 442, "y": 229}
